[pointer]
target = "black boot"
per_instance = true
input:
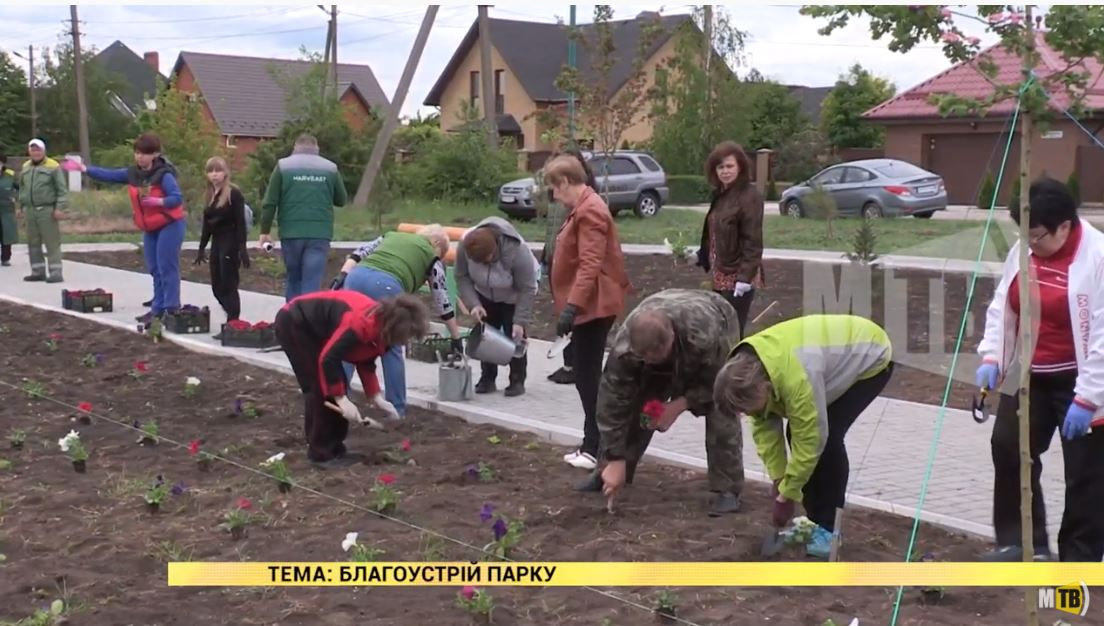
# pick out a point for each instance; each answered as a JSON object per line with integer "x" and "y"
{"x": 726, "y": 502}
{"x": 148, "y": 303}
{"x": 518, "y": 369}
{"x": 35, "y": 278}
{"x": 485, "y": 385}
{"x": 593, "y": 482}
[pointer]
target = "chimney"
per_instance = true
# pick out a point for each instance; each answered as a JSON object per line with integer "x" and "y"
{"x": 154, "y": 60}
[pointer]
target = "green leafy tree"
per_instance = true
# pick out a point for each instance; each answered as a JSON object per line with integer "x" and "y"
{"x": 15, "y": 122}
{"x": 855, "y": 92}
{"x": 57, "y": 102}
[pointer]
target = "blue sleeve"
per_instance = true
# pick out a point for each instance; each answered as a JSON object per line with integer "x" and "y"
{"x": 105, "y": 175}
{"x": 173, "y": 197}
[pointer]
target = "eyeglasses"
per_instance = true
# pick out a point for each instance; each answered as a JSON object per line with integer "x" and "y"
{"x": 1036, "y": 239}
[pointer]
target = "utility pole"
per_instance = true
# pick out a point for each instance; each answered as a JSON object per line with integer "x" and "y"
{"x": 571, "y": 96}
{"x": 34, "y": 114}
{"x": 383, "y": 140}
{"x": 707, "y": 15}
{"x": 78, "y": 70}
{"x": 488, "y": 77}
{"x": 329, "y": 47}
{"x": 1027, "y": 346}
{"x": 333, "y": 47}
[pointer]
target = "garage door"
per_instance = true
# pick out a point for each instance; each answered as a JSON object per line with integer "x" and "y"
{"x": 963, "y": 160}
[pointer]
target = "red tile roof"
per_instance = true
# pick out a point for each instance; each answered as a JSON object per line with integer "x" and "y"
{"x": 966, "y": 80}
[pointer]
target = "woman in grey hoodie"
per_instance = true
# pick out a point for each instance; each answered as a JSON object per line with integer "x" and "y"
{"x": 496, "y": 275}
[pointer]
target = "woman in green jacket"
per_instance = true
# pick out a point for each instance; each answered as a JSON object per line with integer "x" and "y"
{"x": 814, "y": 375}
{"x": 9, "y": 230}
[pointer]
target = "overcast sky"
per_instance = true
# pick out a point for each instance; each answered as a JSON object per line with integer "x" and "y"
{"x": 782, "y": 44}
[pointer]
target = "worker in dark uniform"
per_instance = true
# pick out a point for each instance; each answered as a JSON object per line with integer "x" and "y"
{"x": 318, "y": 332}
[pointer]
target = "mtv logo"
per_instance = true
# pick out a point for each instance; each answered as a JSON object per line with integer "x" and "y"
{"x": 1072, "y": 598}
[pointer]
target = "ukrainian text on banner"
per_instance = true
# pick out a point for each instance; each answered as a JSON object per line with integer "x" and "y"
{"x": 643, "y": 574}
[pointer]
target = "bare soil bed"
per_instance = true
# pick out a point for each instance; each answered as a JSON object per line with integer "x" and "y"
{"x": 922, "y": 380}
{"x": 90, "y": 536}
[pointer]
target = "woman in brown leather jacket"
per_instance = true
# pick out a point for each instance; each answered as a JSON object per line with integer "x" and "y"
{"x": 731, "y": 249}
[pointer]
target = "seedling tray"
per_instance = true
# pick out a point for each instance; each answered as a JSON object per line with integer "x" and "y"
{"x": 189, "y": 321}
{"x": 251, "y": 338}
{"x": 90, "y": 301}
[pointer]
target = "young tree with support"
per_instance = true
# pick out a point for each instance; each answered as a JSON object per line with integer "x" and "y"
{"x": 1076, "y": 33}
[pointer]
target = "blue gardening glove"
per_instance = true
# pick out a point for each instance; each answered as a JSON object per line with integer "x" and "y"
{"x": 566, "y": 322}
{"x": 1077, "y": 421}
{"x": 986, "y": 376}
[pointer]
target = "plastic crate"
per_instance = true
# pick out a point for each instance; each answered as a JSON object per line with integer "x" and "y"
{"x": 251, "y": 338}
{"x": 189, "y": 320}
{"x": 90, "y": 301}
{"x": 426, "y": 350}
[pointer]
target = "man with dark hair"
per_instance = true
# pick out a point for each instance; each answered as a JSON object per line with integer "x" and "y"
{"x": 669, "y": 351}
{"x": 302, "y": 192}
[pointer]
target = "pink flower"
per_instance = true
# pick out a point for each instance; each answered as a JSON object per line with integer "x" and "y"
{"x": 1015, "y": 18}
{"x": 946, "y": 13}
{"x": 85, "y": 407}
{"x": 386, "y": 479}
{"x": 973, "y": 41}
{"x": 55, "y": 337}
{"x": 406, "y": 445}
{"x": 193, "y": 447}
{"x": 996, "y": 17}
{"x": 244, "y": 503}
{"x": 468, "y": 592}
{"x": 951, "y": 37}
{"x": 654, "y": 409}
{"x": 141, "y": 366}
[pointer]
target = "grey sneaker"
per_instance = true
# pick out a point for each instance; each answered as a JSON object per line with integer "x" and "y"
{"x": 1013, "y": 554}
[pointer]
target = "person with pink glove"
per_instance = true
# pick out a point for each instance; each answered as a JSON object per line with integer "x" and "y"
{"x": 158, "y": 211}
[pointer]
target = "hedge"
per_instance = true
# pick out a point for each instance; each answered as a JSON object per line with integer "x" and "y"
{"x": 688, "y": 189}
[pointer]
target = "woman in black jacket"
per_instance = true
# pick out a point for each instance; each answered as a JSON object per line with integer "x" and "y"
{"x": 224, "y": 228}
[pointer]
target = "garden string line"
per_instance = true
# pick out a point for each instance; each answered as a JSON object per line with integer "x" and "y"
{"x": 958, "y": 346}
{"x": 607, "y": 594}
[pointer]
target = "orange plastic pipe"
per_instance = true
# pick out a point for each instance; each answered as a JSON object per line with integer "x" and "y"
{"x": 455, "y": 233}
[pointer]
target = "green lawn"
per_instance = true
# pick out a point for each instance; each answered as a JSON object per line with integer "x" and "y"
{"x": 931, "y": 238}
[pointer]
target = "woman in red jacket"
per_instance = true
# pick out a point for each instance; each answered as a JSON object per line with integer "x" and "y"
{"x": 321, "y": 330}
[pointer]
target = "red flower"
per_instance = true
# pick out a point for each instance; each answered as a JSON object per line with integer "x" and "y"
{"x": 85, "y": 407}
{"x": 261, "y": 325}
{"x": 406, "y": 445}
{"x": 141, "y": 366}
{"x": 386, "y": 479}
{"x": 654, "y": 409}
{"x": 193, "y": 447}
{"x": 238, "y": 325}
{"x": 244, "y": 503}
{"x": 468, "y": 592}
{"x": 55, "y": 337}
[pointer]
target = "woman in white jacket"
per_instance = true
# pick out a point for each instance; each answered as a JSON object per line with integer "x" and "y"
{"x": 1067, "y": 377}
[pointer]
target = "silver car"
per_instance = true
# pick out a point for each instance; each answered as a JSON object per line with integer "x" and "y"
{"x": 871, "y": 188}
{"x": 633, "y": 180}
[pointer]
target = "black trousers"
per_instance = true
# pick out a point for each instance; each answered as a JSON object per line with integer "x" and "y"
{"x": 589, "y": 349}
{"x": 1081, "y": 536}
{"x": 500, "y": 315}
{"x": 742, "y": 305}
{"x": 325, "y": 429}
{"x": 569, "y": 356}
{"x": 5, "y": 249}
{"x": 826, "y": 490}
{"x": 225, "y": 262}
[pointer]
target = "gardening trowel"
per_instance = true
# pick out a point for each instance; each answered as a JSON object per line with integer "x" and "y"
{"x": 364, "y": 419}
{"x": 774, "y": 542}
{"x": 559, "y": 346}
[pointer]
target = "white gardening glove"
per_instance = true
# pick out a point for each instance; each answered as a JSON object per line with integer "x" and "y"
{"x": 386, "y": 407}
{"x": 347, "y": 409}
{"x": 741, "y": 289}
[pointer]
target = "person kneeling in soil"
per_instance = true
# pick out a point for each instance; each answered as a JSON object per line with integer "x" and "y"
{"x": 321, "y": 330}
{"x": 496, "y": 275}
{"x": 669, "y": 350}
{"x": 817, "y": 373}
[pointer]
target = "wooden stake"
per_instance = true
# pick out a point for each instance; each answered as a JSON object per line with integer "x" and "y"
{"x": 833, "y": 556}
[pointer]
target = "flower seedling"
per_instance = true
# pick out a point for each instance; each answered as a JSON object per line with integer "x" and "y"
{"x": 507, "y": 534}
{"x": 5, "y": 465}
{"x": 191, "y": 387}
{"x": 52, "y": 342}
{"x": 35, "y": 389}
{"x": 5, "y": 329}
{"x": 53, "y": 614}
{"x": 800, "y": 532}
{"x": 387, "y": 498}
{"x": 402, "y": 455}
{"x": 85, "y": 409}
{"x": 141, "y": 368}
{"x": 235, "y": 520}
{"x": 203, "y": 459}
{"x": 477, "y": 602}
{"x": 532, "y": 445}
{"x": 156, "y": 330}
{"x": 91, "y": 360}
{"x": 276, "y": 466}
{"x": 71, "y": 444}
{"x": 149, "y": 433}
{"x": 484, "y": 472}
{"x": 666, "y": 603}
{"x": 494, "y": 440}
{"x": 17, "y": 438}
{"x": 653, "y": 410}
{"x": 360, "y": 553}
{"x": 929, "y": 595}
{"x": 156, "y": 494}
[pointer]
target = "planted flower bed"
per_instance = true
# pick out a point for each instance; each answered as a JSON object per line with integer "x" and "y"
{"x": 104, "y": 536}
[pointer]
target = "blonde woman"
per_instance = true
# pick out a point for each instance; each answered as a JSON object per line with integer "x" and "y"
{"x": 399, "y": 263}
{"x": 224, "y": 227}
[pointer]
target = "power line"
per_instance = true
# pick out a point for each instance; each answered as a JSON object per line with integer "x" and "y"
{"x": 198, "y": 19}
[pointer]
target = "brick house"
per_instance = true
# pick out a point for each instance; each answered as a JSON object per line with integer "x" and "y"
{"x": 243, "y": 98}
{"x": 962, "y": 149}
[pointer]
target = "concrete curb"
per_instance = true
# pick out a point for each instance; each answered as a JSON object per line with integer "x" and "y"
{"x": 551, "y": 433}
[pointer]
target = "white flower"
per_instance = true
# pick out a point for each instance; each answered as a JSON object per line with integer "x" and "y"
{"x": 274, "y": 458}
{"x": 350, "y": 541}
{"x": 192, "y": 381}
{"x": 68, "y": 440}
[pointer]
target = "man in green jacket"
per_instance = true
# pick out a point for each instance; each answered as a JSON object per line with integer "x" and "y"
{"x": 806, "y": 380}
{"x": 9, "y": 229}
{"x": 43, "y": 195}
{"x": 302, "y": 192}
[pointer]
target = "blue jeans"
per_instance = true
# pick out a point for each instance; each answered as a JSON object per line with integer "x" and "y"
{"x": 162, "y": 252}
{"x": 305, "y": 261}
{"x": 378, "y": 286}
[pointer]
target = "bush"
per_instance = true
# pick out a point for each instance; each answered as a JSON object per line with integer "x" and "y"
{"x": 689, "y": 189}
{"x": 985, "y": 196}
{"x": 772, "y": 191}
{"x": 100, "y": 203}
{"x": 457, "y": 166}
{"x": 1074, "y": 184}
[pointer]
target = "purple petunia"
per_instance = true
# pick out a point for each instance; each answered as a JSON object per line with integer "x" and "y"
{"x": 179, "y": 488}
{"x": 486, "y": 513}
{"x": 499, "y": 529}
{"x": 237, "y": 406}
{"x": 100, "y": 359}
{"x": 473, "y": 471}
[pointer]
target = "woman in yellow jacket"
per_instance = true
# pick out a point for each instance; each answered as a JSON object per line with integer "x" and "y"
{"x": 814, "y": 375}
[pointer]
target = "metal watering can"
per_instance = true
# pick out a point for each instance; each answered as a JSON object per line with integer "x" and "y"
{"x": 454, "y": 378}
{"x": 490, "y": 345}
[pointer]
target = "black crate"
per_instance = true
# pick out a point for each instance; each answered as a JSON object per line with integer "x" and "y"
{"x": 189, "y": 321}
{"x": 93, "y": 301}
{"x": 252, "y": 338}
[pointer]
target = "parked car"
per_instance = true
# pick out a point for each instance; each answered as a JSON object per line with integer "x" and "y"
{"x": 634, "y": 180}
{"x": 871, "y": 188}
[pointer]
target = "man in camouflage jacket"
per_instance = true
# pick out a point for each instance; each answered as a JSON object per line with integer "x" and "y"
{"x": 669, "y": 349}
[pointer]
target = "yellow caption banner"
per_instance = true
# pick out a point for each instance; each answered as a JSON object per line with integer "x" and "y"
{"x": 575, "y": 574}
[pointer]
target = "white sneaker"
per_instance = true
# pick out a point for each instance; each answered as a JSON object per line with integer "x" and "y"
{"x": 580, "y": 459}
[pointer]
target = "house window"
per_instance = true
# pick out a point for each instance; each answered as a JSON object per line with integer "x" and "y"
{"x": 231, "y": 141}
{"x": 473, "y": 89}
{"x": 500, "y": 91}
